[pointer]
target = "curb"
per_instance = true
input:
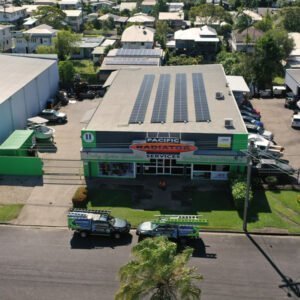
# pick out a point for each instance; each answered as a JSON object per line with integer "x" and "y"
{"x": 201, "y": 231}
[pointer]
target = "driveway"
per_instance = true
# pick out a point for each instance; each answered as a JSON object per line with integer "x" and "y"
{"x": 48, "y": 199}
{"x": 277, "y": 119}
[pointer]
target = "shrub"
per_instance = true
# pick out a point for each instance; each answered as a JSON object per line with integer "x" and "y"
{"x": 79, "y": 199}
{"x": 239, "y": 190}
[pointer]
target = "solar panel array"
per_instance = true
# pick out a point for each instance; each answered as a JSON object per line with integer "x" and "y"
{"x": 159, "y": 113}
{"x": 201, "y": 106}
{"x": 138, "y": 52}
{"x": 114, "y": 60}
{"x": 141, "y": 103}
{"x": 180, "y": 100}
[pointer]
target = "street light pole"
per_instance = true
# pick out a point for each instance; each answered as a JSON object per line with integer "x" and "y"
{"x": 246, "y": 204}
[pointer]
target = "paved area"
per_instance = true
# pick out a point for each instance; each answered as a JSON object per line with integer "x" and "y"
{"x": 54, "y": 264}
{"x": 277, "y": 119}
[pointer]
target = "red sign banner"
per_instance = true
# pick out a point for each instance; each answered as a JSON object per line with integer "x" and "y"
{"x": 163, "y": 147}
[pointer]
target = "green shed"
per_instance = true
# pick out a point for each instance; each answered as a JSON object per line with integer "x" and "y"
{"x": 18, "y": 155}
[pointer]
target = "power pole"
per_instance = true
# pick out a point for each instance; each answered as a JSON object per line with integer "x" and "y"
{"x": 246, "y": 203}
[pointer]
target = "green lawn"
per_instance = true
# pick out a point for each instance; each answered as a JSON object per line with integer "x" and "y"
{"x": 83, "y": 66}
{"x": 270, "y": 209}
{"x": 9, "y": 212}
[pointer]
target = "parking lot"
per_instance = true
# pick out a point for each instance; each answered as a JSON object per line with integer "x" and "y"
{"x": 277, "y": 119}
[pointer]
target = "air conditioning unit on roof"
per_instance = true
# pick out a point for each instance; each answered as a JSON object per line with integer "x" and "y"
{"x": 228, "y": 122}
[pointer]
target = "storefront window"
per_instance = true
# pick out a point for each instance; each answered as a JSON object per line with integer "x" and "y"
{"x": 112, "y": 169}
{"x": 202, "y": 167}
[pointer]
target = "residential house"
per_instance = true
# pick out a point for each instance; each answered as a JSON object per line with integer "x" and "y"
{"x": 245, "y": 41}
{"x": 203, "y": 41}
{"x": 86, "y": 46}
{"x": 142, "y": 19}
{"x": 118, "y": 59}
{"x": 216, "y": 24}
{"x": 118, "y": 20}
{"x": 5, "y": 38}
{"x": 30, "y": 9}
{"x": 30, "y": 23}
{"x": 147, "y": 6}
{"x": 45, "y": 2}
{"x": 98, "y": 4}
{"x": 99, "y": 52}
{"x": 294, "y": 58}
{"x": 128, "y": 6}
{"x": 12, "y": 14}
{"x": 175, "y": 6}
{"x": 174, "y": 19}
{"x": 74, "y": 18}
{"x": 138, "y": 37}
{"x": 69, "y": 4}
{"x": 27, "y": 41}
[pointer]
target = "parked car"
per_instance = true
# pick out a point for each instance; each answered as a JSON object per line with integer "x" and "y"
{"x": 250, "y": 109}
{"x": 252, "y": 121}
{"x": 291, "y": 101}
{"x": 258, "y": 130}
{"x": 97, "y": 222}
{"x": 273, "y": 166}
{"x": 267, "y": 93}
{"x": 296, "y": 121}
{"x": 249, "y": 114}
{"x": 54, "y": 116}
{"x": 278, "y": 91}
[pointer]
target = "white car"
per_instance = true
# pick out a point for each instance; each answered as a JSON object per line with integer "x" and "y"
{"x": 296, "y": 121}
{"x": 258, "y": 138}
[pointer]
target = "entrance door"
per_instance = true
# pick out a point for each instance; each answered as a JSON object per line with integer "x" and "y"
{"x": 163, "y": 166}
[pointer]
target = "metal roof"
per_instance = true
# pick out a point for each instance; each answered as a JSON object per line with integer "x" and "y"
{"x": 295, "y": 74}
{"x": 237, "y": 84}
{"x": 17, "y": 71}
{"x": 114, "y": 112}
{"x": 17, "y": 139}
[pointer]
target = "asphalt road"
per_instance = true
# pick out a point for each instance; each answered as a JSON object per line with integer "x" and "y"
{"x": 52, "y": 264}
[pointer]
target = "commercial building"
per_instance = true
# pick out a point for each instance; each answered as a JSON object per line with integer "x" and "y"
{"x": 27, "y": 84}
{"x": 177, "y": 121}
{"x": 292, "y": 81}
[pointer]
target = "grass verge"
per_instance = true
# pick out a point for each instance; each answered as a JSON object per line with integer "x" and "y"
{"x": 268, "y": 210}
{"x": 9, "y": 212}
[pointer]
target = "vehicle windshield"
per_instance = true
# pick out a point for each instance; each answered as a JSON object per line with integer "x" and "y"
{"x": 112, "y": 221}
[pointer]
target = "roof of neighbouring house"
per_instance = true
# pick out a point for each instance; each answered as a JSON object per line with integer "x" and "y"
{"x": 115, "y": 18}
{"x": 140, "y": 18}
{"x": 136, "y": 33}
{"x": 171, "y": 16}
{"x": 90, "y": 42}
{"x": 237, "y": 84}
{"x": 251, "y": 32}
{"x": 128, "y": 5}
{"x": 296, "y": 37}
{"x": 197, "y": 34}
{"x": 41, "y": 29}
{"x": 73, "y": 12}
{"x": 252, "y": 14}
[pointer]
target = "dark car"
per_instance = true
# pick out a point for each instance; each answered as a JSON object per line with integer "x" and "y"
{"x": 54, "y": 116}
{"x": 265, "y": 93}
{"x": 250, "y": 120}
{"x": 249, "y": 114}
{"x": 250, "y": 109}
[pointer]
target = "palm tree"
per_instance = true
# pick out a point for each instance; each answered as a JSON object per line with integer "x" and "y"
{"x": 159, "y": 273}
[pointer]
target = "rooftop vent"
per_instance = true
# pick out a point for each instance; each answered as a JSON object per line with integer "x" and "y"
{"x": 144, "y": 32}
{"x": 228, "y": 122}
{"x": 219, "y": 96}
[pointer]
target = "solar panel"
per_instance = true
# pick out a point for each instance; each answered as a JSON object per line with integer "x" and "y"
{"x": 138, "y": 52}
{"x": 201, "y": 106}
{"x": 131, "y": 61}
{"x": 141, "y": 103}
{"x": 161, "y": 100}
{"x": 180, "y": 100}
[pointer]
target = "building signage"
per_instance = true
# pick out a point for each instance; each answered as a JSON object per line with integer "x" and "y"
{"x": 164, "y": 147}
{"x": 218, "y": 175}
{"x": 163, "y": 155}
{"x": 224, "y": 142}
{"x": 163, "y": 140}
{"x": 88, "y": 137}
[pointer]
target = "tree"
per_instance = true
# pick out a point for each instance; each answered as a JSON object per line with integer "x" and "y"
{"x": 159, "y": 272}
{"x": 273, "y": 47}
{"x": 50, "y": 15}
{"x": 160, "y": 6}
{"x": 265, "y": 24}
{"x": 66, "y": 73}
{"x": 181, "y": 60}
{"x": 41, "y": 49}
{"x": 65, "y": 43}
{"x": 291, "y": 19}
{"x": 162, "y": 29}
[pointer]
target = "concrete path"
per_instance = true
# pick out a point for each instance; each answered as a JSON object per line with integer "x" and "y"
{"x": 47, "y": 205}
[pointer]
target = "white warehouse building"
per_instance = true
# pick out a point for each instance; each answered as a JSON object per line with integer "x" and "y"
{"x": 26, "y": 84}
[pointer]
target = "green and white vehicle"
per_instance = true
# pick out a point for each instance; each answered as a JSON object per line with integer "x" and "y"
{"x": 174, "y": 227}
{"x": 97, "y": 222}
